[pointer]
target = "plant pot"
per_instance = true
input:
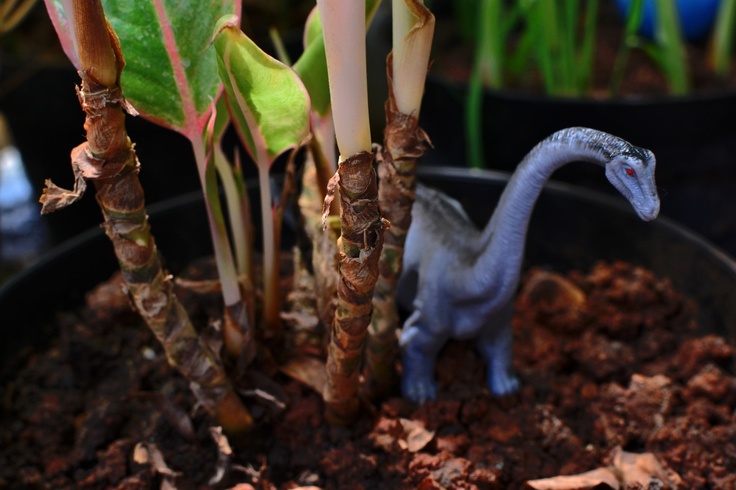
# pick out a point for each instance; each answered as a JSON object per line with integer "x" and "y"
{"x": 46, "y": 122}
{"x": 691, "y": 136}
{"x": 696, "y": 16}
{"x": 571, "y": 227}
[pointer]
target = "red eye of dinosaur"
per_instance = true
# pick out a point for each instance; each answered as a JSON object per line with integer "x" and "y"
{"x": 630, "y": 171}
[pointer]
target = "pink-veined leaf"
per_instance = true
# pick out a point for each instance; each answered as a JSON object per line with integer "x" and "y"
{"x": 64, "y": 28}
{"x": 170, "y": 75}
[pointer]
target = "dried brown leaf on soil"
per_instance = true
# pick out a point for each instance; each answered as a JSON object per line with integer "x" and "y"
{"x": 583, "y": 481}
{"x": 555, "y": 297}
{"x": 309, "y": 371}
{"x": 417, "y": 436}
{"x": 626, "y": 471}
{"x": 642, "y": 468}
{"x": 223, "y": 445}
{"x": 224, "y": 451}
{"x": 149, "y": 453}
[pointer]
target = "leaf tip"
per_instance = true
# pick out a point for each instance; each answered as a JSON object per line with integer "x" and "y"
{"x": 230, "y": 21}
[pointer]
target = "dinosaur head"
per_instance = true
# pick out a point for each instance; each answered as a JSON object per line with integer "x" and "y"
{"x": 632, "y": 173}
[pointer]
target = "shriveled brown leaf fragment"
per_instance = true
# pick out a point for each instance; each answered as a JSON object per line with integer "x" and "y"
{"x": 628, "y": 470}
{"x": 309, "y": 371}
{"x": 223, "y": 445}
{"x": 555, "y": 298}
{"x": 641, "y": 469}
{"x": 417, "y": 436}
{"x": 55, "y": 197}
{"x": 224, "y": 451}
{"x": 583, "y": 481}
{"x": 149, "y": 453}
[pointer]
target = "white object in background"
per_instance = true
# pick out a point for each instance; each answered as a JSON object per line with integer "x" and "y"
{"x": 22, "y": 234}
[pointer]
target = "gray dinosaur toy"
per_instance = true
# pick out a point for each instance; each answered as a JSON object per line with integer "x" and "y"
{"x": 460, "y": 281}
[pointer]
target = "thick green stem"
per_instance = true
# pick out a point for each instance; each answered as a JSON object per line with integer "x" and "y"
{"x": 359, "y": 247}
{"x": 403, "y": 145}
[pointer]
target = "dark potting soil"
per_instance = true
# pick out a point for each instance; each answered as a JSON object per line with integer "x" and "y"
{"x": 611, "y": 358}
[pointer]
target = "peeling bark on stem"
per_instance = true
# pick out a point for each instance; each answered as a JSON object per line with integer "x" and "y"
{"x": 108, "y": 160}
{"x": 404, "y": 143}
{"x": 359, "y": 246}
{"x": 323, "y": 252}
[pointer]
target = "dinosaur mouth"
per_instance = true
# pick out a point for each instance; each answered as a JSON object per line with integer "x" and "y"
{"x": 648, "y": 213}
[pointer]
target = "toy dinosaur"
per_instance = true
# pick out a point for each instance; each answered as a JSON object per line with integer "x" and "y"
{"x": 460, "y": 281}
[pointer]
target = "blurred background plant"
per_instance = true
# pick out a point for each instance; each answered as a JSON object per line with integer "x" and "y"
{"x": 497, "y": 86}
{"x": 564, "y": 49}
{"x": 556, "y": 46}
{"x": 12, "y": 12}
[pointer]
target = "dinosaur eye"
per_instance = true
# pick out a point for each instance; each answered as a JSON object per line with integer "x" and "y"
{"x": 630, "y": 171}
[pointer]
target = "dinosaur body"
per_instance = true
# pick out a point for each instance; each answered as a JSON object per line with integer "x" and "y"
{"x": 459, "y": 281}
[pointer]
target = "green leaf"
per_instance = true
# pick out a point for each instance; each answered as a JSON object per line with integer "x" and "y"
{"x": 312, "y": 64}
{"x": 268, "y": 102}
{"x": 312, "y": 28}
{"x": 171, "y": 72}
{"x": 222, "y": 119}
{"x": 64, "y": 28}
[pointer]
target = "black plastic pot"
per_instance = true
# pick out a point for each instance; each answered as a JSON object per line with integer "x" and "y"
{"x": 693, "y": 138}
{"x": 46, "y": 122}
{"x": 571, "y": 228}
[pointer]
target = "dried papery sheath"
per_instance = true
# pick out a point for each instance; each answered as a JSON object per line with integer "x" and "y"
{"x": 359, "y": 248}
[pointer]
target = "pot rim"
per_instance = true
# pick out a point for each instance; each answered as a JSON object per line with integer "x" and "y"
{"x": 566, "y": 189}
{"x": 437, "y": 172}
{"x": 637, "y": 100}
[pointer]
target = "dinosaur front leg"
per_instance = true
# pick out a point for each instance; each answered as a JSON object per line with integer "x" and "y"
{"x": 420, "y": 348}
{"x": 495, "y": 345}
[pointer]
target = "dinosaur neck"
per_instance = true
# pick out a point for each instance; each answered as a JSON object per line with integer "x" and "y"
{"x": 504, "y": 237}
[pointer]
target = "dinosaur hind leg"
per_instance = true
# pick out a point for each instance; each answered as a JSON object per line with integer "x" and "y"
{"x": 495, "y": 345}
{"x": 420, "y": 349}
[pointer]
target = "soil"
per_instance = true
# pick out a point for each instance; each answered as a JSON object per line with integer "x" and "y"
{"x": 611, "y": 358}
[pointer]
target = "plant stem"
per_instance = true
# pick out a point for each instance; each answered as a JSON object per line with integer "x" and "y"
{"x": 361, "y": 238}
{"x": 237, "y": 333}
{"x": 633, "y": 21}
{"x": 403, "y": 145}
{"x": 671, "y": 53}
{"x": 108, "y": 159}
{"x": 238, "y": 208}
{"x": 722, "y": 40}
{"x": 586, "y": 58}
{"x": 487, "y": 71}
{"x": 271, "y": 309}
{"x": 359, "y": 247}
{"x": 343, "y": 27}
